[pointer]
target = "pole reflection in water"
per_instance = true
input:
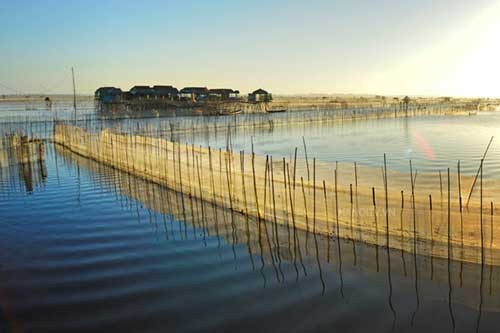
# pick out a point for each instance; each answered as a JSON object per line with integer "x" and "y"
{"x": 124, "y": 248}
{"x": 415, "y": 236}
{"x": 389, "y": 279}
{"x": 22, "y": 163}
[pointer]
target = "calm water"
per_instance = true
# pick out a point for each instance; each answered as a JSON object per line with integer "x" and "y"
{"x": 86, "y": 248}
{"x": 82, "y": 252}
{"x": 432, "y": 142}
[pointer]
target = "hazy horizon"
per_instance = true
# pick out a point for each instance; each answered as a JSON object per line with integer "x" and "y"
{"x": 244, "y": 93}
{"x": 428, "y": 48}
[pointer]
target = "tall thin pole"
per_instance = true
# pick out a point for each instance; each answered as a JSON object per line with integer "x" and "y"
{"x": 74, "y": 90}
{"x": 477, "y": 173}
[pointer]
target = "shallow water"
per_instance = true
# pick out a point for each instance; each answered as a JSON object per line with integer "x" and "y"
{"x": 79, "y": 252}
{"x": 432, "y": 142}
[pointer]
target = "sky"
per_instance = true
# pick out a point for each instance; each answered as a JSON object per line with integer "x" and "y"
{"x": 385, "y": 47}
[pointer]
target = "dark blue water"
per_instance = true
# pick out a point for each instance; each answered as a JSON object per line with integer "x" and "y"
{"x": 85, "y": 248}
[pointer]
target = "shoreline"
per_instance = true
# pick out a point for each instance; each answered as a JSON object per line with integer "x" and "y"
{"x": 304, "y": 102}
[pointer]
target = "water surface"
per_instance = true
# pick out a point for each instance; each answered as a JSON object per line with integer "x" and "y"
{"x": 80, "y": 252}
{"x": 87, "y": 248}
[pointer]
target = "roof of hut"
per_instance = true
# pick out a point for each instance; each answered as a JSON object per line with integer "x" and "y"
{"x": 140, "y": 87}
{"x": 194, "y": 90}
{"x": 108, "y": 90}
{"x": 141, "y": 90}
{"x": 224, "y": 91}
{"x": 260, "y": 91}
{"x": 165, "y": 90}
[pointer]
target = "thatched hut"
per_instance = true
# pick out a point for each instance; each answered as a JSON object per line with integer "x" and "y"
{"x": 259, "y": 95}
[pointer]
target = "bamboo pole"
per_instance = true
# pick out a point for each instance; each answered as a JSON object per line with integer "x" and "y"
{"x": 307, "y": 159}
{"x": 477, "y": 173}
{"x": 255, "y": 185}
{"x": 314, "y": 195}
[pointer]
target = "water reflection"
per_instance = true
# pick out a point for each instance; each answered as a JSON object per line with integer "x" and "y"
{"x": 22, "y": 163}
{"x": 267, "y": 268}
{"x": 273, "y": 245}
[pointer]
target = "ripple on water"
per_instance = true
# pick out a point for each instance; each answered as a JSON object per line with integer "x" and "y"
{"x": 77, "y": 256}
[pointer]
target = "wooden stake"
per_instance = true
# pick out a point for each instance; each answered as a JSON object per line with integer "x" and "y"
{"x": 229, "y": 186}
{"x": 477, "y": 173}
{"x": 386, "y": 202}
{"x": 255, "y": 185}
{"x": 307, "y": 159}
{"x": 440, "y": 183}
{"x": 350, "y": 193}
{"x": 449, "y": 216}
{"x": 242, "y": 168}
{"x": 481, "y": 209}
{"x": 314, "y": 195}
{"x": 326, "y": 207}
{"x": 305, "y": 208}
{"x": 337, "y": 206}
{"x": 373, "y": 196}
{"x": 459, "y": 187}
{"x": 265, "y": 186}
{"x": 356, "y": 176}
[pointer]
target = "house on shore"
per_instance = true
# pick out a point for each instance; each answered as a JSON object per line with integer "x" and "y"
{"x": 143, "y": 92}
{"x": 165, "y": 92}
{"x": 259, "y": 95}
{"x": 224, "y": 94}
{"x": 194, "y": 94}
{"x": 108, "y": 94}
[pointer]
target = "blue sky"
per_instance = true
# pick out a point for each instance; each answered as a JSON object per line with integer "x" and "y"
{"x": 377, "y": 47}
